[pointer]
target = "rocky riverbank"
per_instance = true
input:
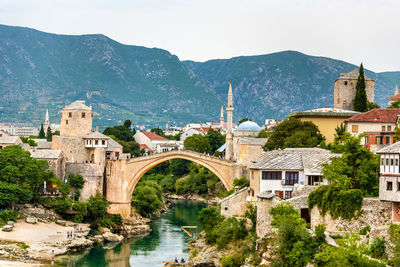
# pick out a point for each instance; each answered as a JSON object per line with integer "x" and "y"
{"x": 42, "y": 235}
{"x": 193, "y": 197}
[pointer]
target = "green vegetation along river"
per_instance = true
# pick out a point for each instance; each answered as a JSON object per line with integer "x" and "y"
{"x": 164, "y": 243}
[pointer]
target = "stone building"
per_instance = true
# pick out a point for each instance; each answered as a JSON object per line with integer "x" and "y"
{"x": 8, "y": 140}
{"x": 280, "y": 171}
{"x": 156, "y": 143}
{"x": 377, "y": 125}
{"x": 345, "y": 89}
{"x": 54, "y": 158}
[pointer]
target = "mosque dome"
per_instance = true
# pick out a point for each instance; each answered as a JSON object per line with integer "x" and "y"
{"x": 248, "y": 126}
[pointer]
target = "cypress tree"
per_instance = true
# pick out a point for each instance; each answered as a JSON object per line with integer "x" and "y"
{"x": 360, "y": 100}
{"x": 49, "y": 134}
{"x": 41, "y": 132}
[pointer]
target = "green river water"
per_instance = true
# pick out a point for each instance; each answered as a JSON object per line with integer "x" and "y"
{"x": 164, "y": 243}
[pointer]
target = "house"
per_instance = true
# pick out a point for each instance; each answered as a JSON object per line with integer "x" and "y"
{"x": 279, "y": 171}
{"x": 156, "y": 143}
{"x": 55, "y": 158}
{"x": 389, "y": 180}
{"x": 192, "y": 131}
{"x": 326, "y": 119}
{"x": 7, "y": 140}
{"x": 3, "y": 133}
{"x": 378, "y": 125}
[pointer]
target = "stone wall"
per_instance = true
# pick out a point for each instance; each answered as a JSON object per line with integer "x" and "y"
{"x": 264, "y": 219}
{"x": 73, "y": 148}
{"x": 235, "y": 204}
{"x": 374, "y": 213}
{"x": 93, "y": 175}
{"x": 344, "y": 94}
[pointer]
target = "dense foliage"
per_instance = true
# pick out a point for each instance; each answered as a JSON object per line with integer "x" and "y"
{"x": 360, "y": 100}
{"x": 124, "y": 136}
{"x": 208, "y": 143}
{"x": 395, "y": 105}
{"x": 148, "y": 198}
{"x": 294, "y": 133}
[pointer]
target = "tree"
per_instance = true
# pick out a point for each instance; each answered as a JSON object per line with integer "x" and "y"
{"x": 215, "y": 139}
{"x": 395, "y": 105}
{"x": 360, "y": 100}
{"x": 148, "y": 198}
{"x": 179, "y": 167}
{"x": 120, "y": 132}
{"x": 97, "y": 207}
{"x": 244, "y": 119}
{"x": 263, "y": 134}
{"x": 372, "y": 105}
{"x": 128, "y": 124}
{"x": 198, "y": 143}
{"x": 294, "y": 133}
{"x": 41, "y": 132}
{"x": 28, "y": 140}
{"x": 49, "y": 134}
{"x": 157, "y": 131}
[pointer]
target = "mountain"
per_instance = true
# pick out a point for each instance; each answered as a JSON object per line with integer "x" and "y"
{"x": 273, "y": 85}
{"x": 149, "y": 86}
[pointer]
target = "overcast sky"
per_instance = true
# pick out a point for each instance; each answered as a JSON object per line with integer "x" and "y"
{"x": 355, "y": 31}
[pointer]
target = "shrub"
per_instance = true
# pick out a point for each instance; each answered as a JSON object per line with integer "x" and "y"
{"x": 8, "y": 215}
{"x": 116, "y": 219}
{"x": 235, "y": 260}
{"x": 365, "y": 230}
{"x": 63, "y": 206}
{"x": 76, "y": 181}
{"x": 97, "y": 207}
{"x": 241, "y": 182}
{"x": 48, "y": 202}
{"x": 377, "y": 248}
{"x": 148, "y": 198}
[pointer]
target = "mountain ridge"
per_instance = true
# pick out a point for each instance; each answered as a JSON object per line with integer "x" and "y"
{"x": 40, "y": 70}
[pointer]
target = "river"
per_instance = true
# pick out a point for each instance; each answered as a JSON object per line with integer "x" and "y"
{"x": 164, "y": 243}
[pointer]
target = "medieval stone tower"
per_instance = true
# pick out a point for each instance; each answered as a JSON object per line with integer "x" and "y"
{"x": 229, "y": 134}
{"x": 76, "y": 120}
{"x": 345, "y": 89}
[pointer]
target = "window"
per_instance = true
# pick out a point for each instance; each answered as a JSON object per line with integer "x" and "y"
{"x": 387, "y": 161}
{"x": 397, "y": 162}
{"x": 383, "y": 161}
{"x": 366, "y": 139}
{"x": 103, "y": 142}
{"x": 354, "y": 128}
{"x": 69, "y": 114}
{"x": 389, "y": 128}
{"x": 267, "y": 175}
{"x": 391, "y": 162}
{"x": 387, "y": 140}
{"x": 288, "y": 194}
{"x": 96, "y": 142}
{"x": 83, "y": 115}
{"x": 398, "y": 186}
{"x": 291, "y": 178}
{"x": 389, "y": 186}
{"x": 345, "y": 82}
{"x": 383, "y": 128}
{"x": 315, "y": 179}
{"x": 66, "y": 121}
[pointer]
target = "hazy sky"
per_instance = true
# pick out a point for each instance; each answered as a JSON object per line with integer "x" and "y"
{"x": 350, "y": 30}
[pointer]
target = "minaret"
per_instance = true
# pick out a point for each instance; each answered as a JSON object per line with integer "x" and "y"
{"x": 229, "y": 135}
{"x": 221, "y": 118}
{"x": 46, "y": 123}
{"x": 396, "y": 91}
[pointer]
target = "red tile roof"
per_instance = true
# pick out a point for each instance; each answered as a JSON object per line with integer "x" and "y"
{"x": 143, "y": 146}
{"x": 4, "y": 133}
{"x": 153, "y": 136}
{"x": 377, "y": 115}
{"x": 395, "y": 97}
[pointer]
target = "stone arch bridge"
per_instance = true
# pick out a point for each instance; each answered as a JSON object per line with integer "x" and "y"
{"x": 123, "y": 175}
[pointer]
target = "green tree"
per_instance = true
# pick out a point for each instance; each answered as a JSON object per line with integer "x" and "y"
{"x": 97, "y": 207}
{"x": 28, "y": 140}
{"x": 120, "y": 132}
{"x": 294, "y": 133}
{"x": 372, "y": 105}
{"x": 49, "y": 134}
{"x": 179, "y": 167}
{"x": 41, "y": 132}
{"x": 147, "y": 198}
{"x": 76, "y": 181}
{"x": 244, "y": 119}
{"x": 128, "y": 124}
{"x": 395, "y": 105}
{"x": 263, "y": 134}
{"x": 360, "y": 100}
{"x": 215, "y": 139}
{"x": 198, "y": 143}
{"x": 157, "y": 131}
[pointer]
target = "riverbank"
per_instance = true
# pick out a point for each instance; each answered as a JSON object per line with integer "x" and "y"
{"x": 212, "y": 200}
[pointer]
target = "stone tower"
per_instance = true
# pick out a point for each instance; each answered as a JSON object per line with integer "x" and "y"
{"x": 46, "y": 123}
{"x": 221, "y": 118}
{"x": 76, "y": 119}
{"x": 229, "y": 134}
{"x": 345, "y": 89}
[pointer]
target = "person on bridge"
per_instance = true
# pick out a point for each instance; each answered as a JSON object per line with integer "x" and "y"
{"x": 182, "y": 260}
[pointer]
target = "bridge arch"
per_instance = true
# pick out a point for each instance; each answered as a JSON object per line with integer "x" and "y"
{"x": 123, "y": 175}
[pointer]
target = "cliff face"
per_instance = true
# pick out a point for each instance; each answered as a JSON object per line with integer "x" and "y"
{"x": 149, "y": 86}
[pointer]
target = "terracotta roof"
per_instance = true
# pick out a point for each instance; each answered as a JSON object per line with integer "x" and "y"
{"x": 395, "y": 97}
{"x": 377, "y": 115}
{"x": 4, "y": 133}
{"x": 153, "y": 136}
{"x": 143, "y": 146}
